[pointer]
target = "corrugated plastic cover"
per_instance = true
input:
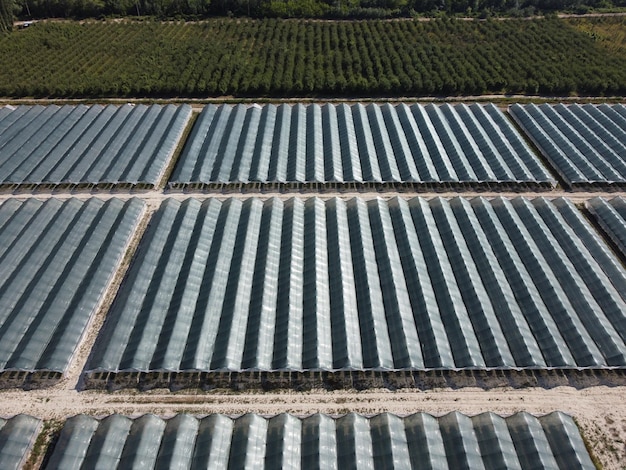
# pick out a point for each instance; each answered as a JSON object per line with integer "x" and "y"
{"x": 89, "y": 144}
{"x": 356, "y": 143}
{"x": 586, "y": 144}
{"x": 56, "y": 259}
{"x": 611, "y": 215}
{"x": 453, "y": 441}
{"x": 17, "y": 435}
{"x": 399, "y": 284}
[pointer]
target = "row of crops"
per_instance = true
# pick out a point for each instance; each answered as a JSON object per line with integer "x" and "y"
{"x": 408, "y": 146}
{"x": 309, "y": 58}
{"x": 317, "y": 441}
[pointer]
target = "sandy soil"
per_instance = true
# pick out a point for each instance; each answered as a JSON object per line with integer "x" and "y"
{"x": 600, "y": 411}
{"x": 154, "y": 197}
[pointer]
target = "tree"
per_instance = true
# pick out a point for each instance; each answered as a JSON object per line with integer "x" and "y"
{"x": 6, "y": 16}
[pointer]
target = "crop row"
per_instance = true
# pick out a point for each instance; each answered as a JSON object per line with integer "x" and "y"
{"x": 297, "y": 58}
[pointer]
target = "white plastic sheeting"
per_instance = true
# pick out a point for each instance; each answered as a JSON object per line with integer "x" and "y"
{"x": 56, "y": 260}
{"x": 17, "y": 436}
{"x": 356, "y": 143}
{"x": 611, "y": 215}
{"x": 89, "y": 144}
{"x": 585, "y": 144}
{"x": 420, "y": 441}
{"x": 362, "y": 285}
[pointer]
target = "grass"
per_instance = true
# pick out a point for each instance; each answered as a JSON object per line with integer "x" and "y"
{"x": 608, "y": 33}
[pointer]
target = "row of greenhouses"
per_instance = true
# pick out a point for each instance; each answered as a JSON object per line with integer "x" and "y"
{"x": 586, "y": 145}
{"x": 306, "y": 284}
{"x": 56, "y": 259}
{"x": 294, "y": 145}
{"x": 454, "y": 440}
{"x": 89, "y": 145}
{"x": 352, "y": 285}
{"x": 357, "y": 143}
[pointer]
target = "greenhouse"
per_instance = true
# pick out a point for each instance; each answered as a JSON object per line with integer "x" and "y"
{"x": 58, "y": 258}
{"x": 302, "y": 285}
{"x": 88, "y": 145}
{"x": 17, "y": 436}
{"x": 586, "y": 144}
{"x": 308, "y": 284}
{"x": 367, "y": 145}
{"x": 611, "y": 215}
{"x": 485, "y": 441}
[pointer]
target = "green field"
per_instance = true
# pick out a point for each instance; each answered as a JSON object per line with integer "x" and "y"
{"x": 278, "y": 58}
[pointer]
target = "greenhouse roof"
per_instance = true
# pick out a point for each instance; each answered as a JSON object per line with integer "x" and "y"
{"x": 356, "y": 143}
{"x": 611, "y": 215}
{"x": 319, "y": 441}
{"x": 17, "y": 436}
{"x": 56, "y": 260}
{"x": 82, "y": 144}
{"x": 585, "y": 143}
{"x": 307, "y": 284}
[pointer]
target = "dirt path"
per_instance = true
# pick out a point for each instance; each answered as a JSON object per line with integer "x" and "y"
{"x": 154, "y": 198}
{"x": 589, "y": 403}
{"x": 128, "y": 19}
{"x": 600, "y": 411}
{"x": 199, "y": 103}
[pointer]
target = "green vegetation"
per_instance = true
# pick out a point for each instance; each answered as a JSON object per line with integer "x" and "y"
{"x": 310, "y": 58}
{"x": 304, "y": 8}
{"x": 45, "y": 440}
{"x": 6, "y": 16}
{"x": 609, "y": 34}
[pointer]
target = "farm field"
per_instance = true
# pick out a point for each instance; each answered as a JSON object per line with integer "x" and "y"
{"x": 293, "y": 276}
{"x": 314, "y": 58}
{"x": 238, "y": 317}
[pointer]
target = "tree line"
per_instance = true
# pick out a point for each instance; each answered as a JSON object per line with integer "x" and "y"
{"x": 295, "y": 8}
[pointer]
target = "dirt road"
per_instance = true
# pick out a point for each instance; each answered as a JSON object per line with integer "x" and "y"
{"x": 600, "y": 411}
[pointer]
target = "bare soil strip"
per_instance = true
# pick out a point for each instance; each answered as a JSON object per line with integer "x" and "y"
{"x": 599, "y": 411}
{"x": 154, "y": 197}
